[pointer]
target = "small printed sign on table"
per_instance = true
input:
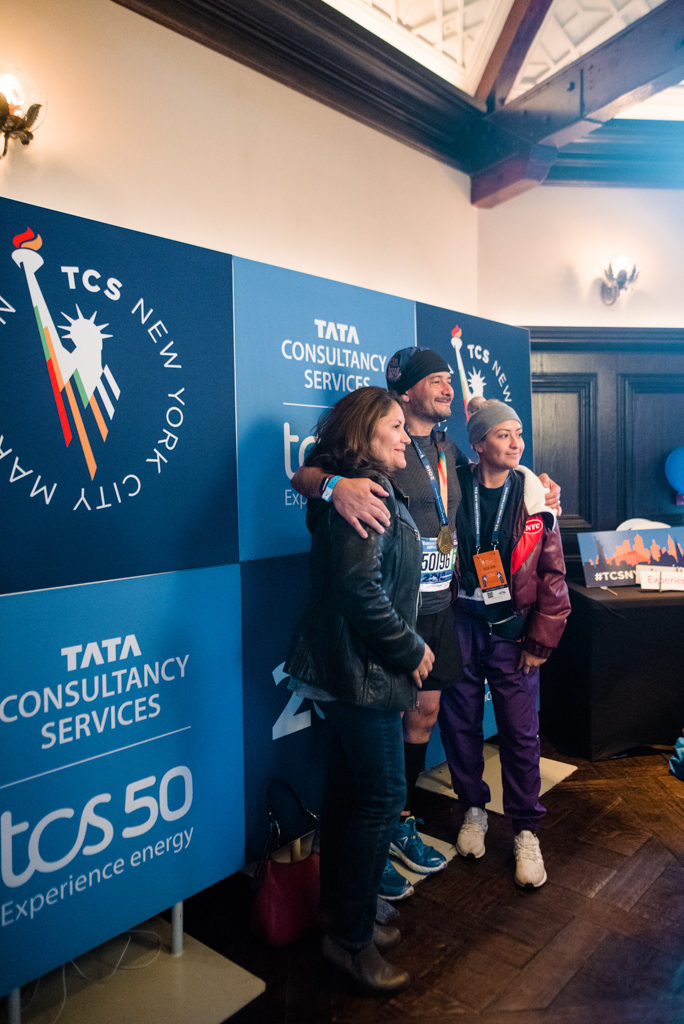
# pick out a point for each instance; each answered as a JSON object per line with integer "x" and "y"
{"x": 617, "y": 558}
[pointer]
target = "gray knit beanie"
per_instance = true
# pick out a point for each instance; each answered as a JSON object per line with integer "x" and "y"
{"x": 490, "y": 415}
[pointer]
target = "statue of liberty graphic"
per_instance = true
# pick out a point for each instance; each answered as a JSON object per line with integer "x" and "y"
{"x": 476, "y": 384}
{"x": 74, "y": 361}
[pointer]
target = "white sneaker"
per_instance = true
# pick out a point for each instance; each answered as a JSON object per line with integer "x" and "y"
{"x": 529, "y": 863}
{"x": 470, "y": 841}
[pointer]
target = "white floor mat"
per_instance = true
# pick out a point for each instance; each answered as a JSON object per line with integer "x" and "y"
{"x": 438, "y": 779}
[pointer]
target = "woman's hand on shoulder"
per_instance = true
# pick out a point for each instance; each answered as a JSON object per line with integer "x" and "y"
{"x": 359, "y": 500}
{"x": 421, "y": 673}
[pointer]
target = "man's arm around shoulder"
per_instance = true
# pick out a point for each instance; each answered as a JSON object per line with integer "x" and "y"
{"x": 357, "y": 499}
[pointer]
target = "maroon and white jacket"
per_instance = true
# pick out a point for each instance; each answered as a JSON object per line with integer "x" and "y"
{"x": 539, "y": 592}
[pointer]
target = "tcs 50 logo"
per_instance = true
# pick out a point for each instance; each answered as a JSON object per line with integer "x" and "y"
{"x": 86, "y": 371}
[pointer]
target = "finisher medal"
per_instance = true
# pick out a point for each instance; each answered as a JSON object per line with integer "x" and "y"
{"x": 445, "y": 540}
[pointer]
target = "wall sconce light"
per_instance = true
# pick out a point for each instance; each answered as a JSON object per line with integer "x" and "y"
{"x": 618, "y": 276}
{"x": 19, "y": 109}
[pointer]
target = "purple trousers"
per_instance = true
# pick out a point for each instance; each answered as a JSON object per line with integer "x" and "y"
{"x": 514, "y": 695}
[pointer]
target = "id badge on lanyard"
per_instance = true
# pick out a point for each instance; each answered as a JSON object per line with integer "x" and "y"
{"x": 490, "y": 573}
{"x": 488, "y": 565}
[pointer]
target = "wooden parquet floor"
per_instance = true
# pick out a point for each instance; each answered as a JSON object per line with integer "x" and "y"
{"x": 601, "y": 943}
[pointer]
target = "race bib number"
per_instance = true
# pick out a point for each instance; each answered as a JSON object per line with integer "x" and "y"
{"x": 437, "y": 568}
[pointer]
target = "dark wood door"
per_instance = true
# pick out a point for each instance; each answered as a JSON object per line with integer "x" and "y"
{"x": 607, "y": 409}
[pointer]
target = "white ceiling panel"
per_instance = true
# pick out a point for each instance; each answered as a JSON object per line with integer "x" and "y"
{"x": 455, "y": 39}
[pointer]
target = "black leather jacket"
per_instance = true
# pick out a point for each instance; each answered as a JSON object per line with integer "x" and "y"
{"x": 356, "y": 639}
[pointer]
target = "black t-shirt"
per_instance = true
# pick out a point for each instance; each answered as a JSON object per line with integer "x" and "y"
{"x": 415, "y": 484}
{"x": 465, "y": 525}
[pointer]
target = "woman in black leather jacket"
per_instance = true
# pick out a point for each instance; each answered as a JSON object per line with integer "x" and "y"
{"x": 356, "y": 652}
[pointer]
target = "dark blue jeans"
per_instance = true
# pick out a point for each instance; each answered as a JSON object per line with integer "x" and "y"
{"x": 363, "y": 800}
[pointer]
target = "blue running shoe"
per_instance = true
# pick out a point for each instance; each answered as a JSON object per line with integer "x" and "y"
{"x": 412, "y": 851}
{"x": 393, "y": 885}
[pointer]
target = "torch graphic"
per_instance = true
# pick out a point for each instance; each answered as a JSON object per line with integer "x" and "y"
{"x": 75, "y": 370}
{"x": 477, "y": 382}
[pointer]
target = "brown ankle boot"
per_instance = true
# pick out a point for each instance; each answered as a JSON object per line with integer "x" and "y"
{"x": 367, "y": 966}
{"x": 386, "y": 937}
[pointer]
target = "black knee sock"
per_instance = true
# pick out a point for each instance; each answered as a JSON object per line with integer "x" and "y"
{"x": 414, "y": 762}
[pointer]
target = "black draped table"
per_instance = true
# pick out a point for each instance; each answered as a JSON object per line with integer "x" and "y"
{"x": 616, "y": 681}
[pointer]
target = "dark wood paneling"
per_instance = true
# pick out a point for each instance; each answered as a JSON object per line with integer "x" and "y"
{"x": 563, "y": 408}
{"x": 650, "y": 406}
{"x": 608, "y": 407}
{"x": 607, "y": 339}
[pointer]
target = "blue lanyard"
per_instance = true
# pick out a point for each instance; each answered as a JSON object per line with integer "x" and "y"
{"x": 499, "y": 512}
{"x": 435, "y": 486}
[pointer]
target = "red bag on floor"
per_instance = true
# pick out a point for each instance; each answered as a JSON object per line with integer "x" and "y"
{"x": 287, "y": 896}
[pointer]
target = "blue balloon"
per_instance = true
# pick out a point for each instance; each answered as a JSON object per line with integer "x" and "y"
{"x": 674, "y": 469}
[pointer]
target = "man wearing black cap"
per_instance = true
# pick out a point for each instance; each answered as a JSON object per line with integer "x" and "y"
{"x": 423, "y": 380}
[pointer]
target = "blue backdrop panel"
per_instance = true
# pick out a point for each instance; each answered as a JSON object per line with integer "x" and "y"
{"x": 301, "y": 342}
{"x": 121, "y": 780}
{"x": 492, "y": 358}
{"x": 284, "y": 736}
{"x": 117, "y": 434}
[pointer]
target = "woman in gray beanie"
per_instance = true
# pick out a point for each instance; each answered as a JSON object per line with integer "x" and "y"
{"x": 511, "y": 607}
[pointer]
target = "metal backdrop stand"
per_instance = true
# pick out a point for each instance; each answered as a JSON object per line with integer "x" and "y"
{"x": 193, "y": 984}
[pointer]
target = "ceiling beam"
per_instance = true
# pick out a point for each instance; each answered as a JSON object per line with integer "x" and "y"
{"x": 643, "y": 59}
{"x": 508, "y": 56}
{"x": 309, "y": 46}
{"x": 523, "y": 169}
{"x": 625, "y": 154}
{"x": 570, "y": 105}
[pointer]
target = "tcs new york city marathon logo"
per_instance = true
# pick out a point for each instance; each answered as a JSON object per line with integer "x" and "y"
{"x": 85, "y": 366}
{"x": 479, "y": 370}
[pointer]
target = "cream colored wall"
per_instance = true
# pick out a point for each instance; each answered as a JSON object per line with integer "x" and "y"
{"x": 541, "y": 257}
{"x": 148, "y": 130}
